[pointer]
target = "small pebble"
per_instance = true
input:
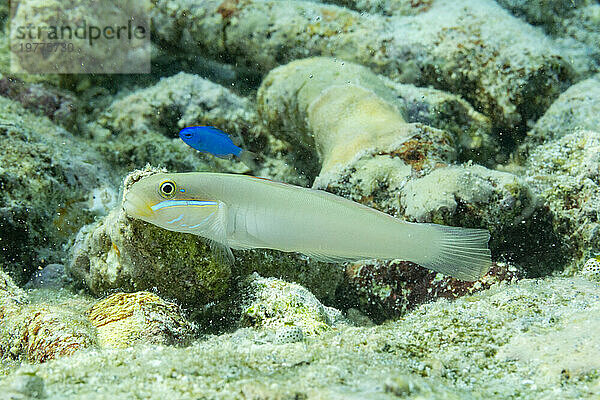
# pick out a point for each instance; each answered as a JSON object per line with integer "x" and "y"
{"x": 289, "y": 334}
{"x": 591, "y": 269}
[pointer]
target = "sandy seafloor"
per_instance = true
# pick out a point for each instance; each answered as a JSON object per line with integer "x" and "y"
{"x": 496, "y": 113}
{"x": 528, "y": 340}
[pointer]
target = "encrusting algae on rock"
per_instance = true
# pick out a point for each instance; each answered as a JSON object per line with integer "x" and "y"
{"x": 286, "y": 308}
{"x": 119, "y": 253}
{"x": 387, "y": 290}
{"x": 124, "y": 319}
{"x": 39, "y": 332}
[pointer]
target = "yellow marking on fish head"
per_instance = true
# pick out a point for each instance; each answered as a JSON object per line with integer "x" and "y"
{"x": 168, "y": 200}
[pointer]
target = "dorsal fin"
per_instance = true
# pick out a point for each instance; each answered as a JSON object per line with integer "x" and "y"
{"x": 217, "y": 131}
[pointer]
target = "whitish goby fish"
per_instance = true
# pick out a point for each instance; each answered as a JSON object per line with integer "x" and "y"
{"x": 245, "y": 212}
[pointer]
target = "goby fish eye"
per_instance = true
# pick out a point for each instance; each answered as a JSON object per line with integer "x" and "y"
{"x": 167, "y": 189}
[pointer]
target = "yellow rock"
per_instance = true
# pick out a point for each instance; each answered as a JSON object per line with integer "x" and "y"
{"x": 127, "y": 318}
{"x": 349, "y": 119}
{"x": 343, "y": 112}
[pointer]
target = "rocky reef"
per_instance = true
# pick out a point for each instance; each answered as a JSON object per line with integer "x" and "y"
{"x": 142, "y": 125}
{"x": 573, "y": 194}
{"x": 353, "y": 127}
{"x": 578, "y": 108}
{"x": 48, "y": 178}
{"x": 562, "y": 165}
{"x": 505, "y": 67}
{"x": 572, "y": 24}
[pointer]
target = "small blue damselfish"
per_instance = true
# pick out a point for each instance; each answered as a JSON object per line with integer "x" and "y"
{"x": 209, "y": 139}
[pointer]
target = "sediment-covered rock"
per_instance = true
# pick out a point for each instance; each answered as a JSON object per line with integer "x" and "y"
{"x": 566, "y": 174}
{"x": 510, "y": 71}
{"x": 127, "y": 319}
{"x": 578, "y": 108}
{"x": 573, "y": 24}
{"x": 279, "y": 306}
{"x": 478, "y": 346}
{"x": 47, "y": 177}
{"x": 58, "y": 105}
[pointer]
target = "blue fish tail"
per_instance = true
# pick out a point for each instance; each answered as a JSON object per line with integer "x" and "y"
{"x": 248, "y": 157}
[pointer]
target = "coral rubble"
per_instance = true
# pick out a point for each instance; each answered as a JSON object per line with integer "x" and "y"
{"x": 471, "y": 348}
{"x": 39, "y": 332}
{"x": 277, "y": 305}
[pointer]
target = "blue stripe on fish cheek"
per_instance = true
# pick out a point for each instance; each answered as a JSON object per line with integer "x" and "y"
{"x": 175, "y": 219}
{"x": 182, "y": 203}
{"x": 205, "y": 220}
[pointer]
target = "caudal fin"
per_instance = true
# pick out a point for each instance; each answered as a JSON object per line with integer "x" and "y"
{"x": 459, "y": 252}
{"x": 248, "y": 157}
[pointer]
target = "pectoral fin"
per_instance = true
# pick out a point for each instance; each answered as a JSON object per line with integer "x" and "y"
{"x": 218, "y": 236}
{"x": 221, "y": 253}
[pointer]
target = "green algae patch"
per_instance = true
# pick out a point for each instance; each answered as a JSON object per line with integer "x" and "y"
{"x": 125, "y": 254}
